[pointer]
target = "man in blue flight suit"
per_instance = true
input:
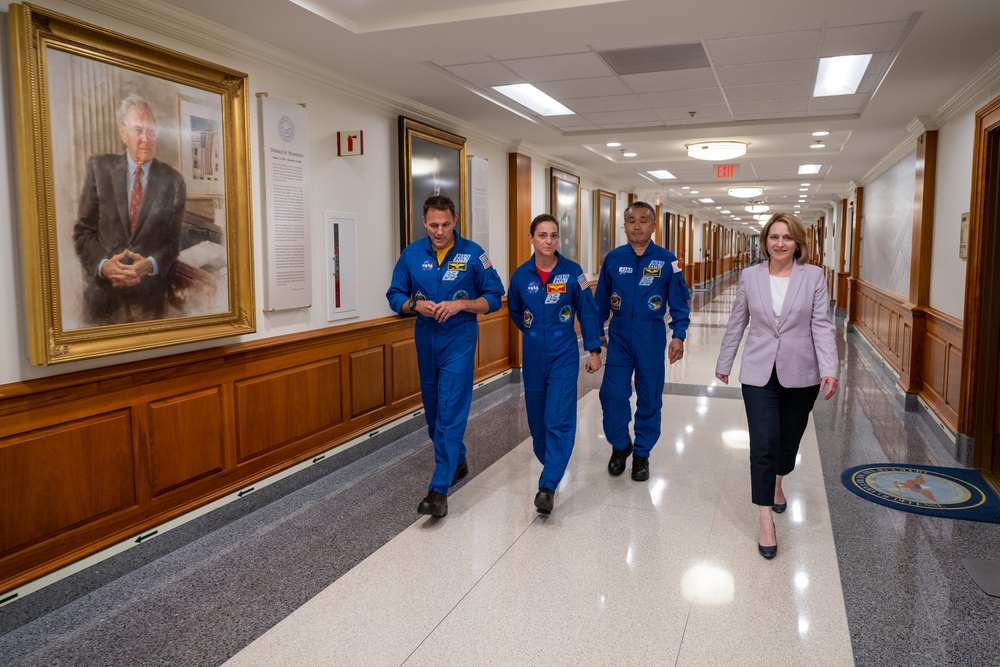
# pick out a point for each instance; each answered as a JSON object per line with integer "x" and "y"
{"x": 637, "y": 284}
{"x": 446, "y": 281}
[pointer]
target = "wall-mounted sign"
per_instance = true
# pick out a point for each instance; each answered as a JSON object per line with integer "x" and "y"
{"x": 351, "y": 142}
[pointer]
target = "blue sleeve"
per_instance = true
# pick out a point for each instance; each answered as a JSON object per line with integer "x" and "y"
{"x": 586, "y": 313}
{"x": 602, "y": 296}
{"x": 678, "y": 297}
{"x": 399, "y": 289}
{"x": 488, "y": 283}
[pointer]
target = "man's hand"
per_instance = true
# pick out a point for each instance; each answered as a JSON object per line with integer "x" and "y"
{"x": 594, "y": 362}
{"x": 675, "y": 350}
{"x": 126, "y": 269}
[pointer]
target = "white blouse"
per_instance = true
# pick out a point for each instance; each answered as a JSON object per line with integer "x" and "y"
{"x": 779, "y": 287}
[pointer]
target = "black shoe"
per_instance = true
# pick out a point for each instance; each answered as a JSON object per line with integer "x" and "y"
{"x": 779, "y": 508}
{"x": 616, "y": 465}
{"x": 767, "y": 552}
{"x": 435, "y": 504}
{"x": 543, "y": 501}
{"x": 640, "y": 468}
{"x": 461, "y": 471}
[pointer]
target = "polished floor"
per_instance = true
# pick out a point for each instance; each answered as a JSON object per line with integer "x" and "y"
{"x": 332, "y": 566}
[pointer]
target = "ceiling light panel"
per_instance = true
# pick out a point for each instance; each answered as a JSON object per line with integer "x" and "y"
{"x": 840, "y": 75}
{"x": 533, "y": 98}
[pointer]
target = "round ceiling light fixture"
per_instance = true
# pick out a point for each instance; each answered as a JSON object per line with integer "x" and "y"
{"x": 717, "y": 150}
{"x": 745, "y": 193}
{"x": 756, "y": 207}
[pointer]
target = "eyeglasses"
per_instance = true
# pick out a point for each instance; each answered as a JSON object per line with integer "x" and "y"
{"x": 149, "y": 132}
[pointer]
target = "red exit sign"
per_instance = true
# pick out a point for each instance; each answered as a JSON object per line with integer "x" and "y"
{"x": 727, "y": 171}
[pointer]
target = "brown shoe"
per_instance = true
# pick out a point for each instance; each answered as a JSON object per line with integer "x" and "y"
{"x": 435, "y": 504}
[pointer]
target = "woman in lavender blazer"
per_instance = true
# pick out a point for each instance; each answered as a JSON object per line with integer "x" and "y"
{"x": 789, "y": 357}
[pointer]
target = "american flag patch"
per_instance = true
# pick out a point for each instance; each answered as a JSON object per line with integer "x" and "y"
{"x": 485, "y": 259}
{"x": 584, "y": 283}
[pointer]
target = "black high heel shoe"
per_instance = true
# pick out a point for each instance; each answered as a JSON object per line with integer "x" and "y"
{"x": 779, "y": 508}
{"x": 767, "y": 552}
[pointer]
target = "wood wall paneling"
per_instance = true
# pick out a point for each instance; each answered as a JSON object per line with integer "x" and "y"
{"x": 276, "y": 408}
{"x": 367, "y": 383}
{"x": 62, "y": 477}
{"x": 99, "y": 456}
{"x": 195, "y": 418}
{"x": 405, "y": 376}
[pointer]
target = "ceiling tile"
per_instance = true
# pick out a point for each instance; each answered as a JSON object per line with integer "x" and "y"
{"x": 769, "y": 91}
{"x": 683, "y": 98}
{"x": 593, "y": 87}
{"x": 798, "y": 45}
{"x": 774, "y": 72}
{"x": 485, "y": 74}
{"x": 679, "y": 79}
{"x": 588, "y": 105}
{"x": 566, "y": 66}
{"x": 855, "y": 39}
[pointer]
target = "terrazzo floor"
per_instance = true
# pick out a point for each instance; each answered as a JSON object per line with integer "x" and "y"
{"x": 332, "y": 566}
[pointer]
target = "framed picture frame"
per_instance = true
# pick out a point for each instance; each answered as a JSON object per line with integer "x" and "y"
{"x": 605, "y": 205}
{"x": 564, "y": 204}
{"x": 431, "y": 162}
{"x": 108, "y": 269}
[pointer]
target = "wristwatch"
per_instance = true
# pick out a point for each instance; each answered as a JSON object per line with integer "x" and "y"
{"x": 413, "y": 304}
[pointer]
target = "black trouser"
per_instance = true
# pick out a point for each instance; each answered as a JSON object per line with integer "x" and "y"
{"x": 777, "y": 417}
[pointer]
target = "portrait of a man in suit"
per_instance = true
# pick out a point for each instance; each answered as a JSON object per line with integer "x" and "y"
{"x": 128, "y": 231}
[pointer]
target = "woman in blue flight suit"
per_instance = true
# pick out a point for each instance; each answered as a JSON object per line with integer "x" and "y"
{"x": 545, "y": 293}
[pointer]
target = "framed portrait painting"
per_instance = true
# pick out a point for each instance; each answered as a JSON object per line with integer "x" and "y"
{"x": 565, "y": 206}
{"x": 431, "y": 162}
{"x": 133, "y": 166}
{"x": 605, "y": 204}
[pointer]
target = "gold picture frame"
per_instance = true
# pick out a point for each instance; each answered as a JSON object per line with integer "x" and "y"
{"x": 431, "y": 162}
{"x": 605, "y": 205}
{"x": 183, "y": 258}
{"x": 564, "y": 205}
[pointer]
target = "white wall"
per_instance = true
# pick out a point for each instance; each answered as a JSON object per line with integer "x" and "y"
{"x": 364, "y": 185}
{"x": 887, "y": 229}
{"x": 951, "y": 199}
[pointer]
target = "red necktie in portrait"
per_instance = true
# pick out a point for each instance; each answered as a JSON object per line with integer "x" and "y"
{"x": 135, "y": 201}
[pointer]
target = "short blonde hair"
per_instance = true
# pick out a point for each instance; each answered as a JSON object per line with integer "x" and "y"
{"x": 797, "y": 231}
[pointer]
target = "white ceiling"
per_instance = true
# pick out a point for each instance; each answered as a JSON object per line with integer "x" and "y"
{"x": 750, "y": 78}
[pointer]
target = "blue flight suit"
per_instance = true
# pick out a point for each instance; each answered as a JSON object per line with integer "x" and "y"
{"x": 550, "y": 363}
{"x": 446, "y": 351}
{"x": 637, "y": 290}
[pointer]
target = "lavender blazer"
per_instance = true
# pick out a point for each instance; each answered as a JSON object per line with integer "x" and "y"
{"x": 801, "y": 345}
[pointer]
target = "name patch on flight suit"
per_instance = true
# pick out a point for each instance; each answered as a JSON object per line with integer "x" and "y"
{"x": 565, "y": 314}
{"x": 655, "y": 302}
{"x": 561, "y": 279}
{"x": 456, "y": 266}
{"x": 656, "y": 264}
{"x": 462, "y": 258}
{"x": 554, "y": 288}
{"x": 651, "y": 271}
{"x": 616, "y": 301}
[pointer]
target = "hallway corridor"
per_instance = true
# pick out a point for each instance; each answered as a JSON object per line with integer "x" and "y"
{"x": 332, "y": 566}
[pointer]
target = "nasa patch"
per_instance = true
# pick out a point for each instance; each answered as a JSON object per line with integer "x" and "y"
{"x": 533, "y": 288}
{"x": 428, "y": 266}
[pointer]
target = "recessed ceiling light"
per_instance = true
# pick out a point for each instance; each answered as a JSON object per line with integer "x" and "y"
{"x": 534, "y": 99}
{"x": 706, "y": 200}
{"x": 613, "y": 144}
{"x": 798, "y": 206}
{"x": 628, "y": 154}
{"x": 726, "y": 212}
{"x": 803, "y": 189}
{"x": 809, "y": 169}
{"x": 817, "y": 144}
{"x": 661, "y": 174}
{"x": 685, "y": 187}
{"x": 820, "y": 133}
{"x": 717, "y": 150}
{"x": 805, "y": 185}
{"x": 840, "y": 75}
